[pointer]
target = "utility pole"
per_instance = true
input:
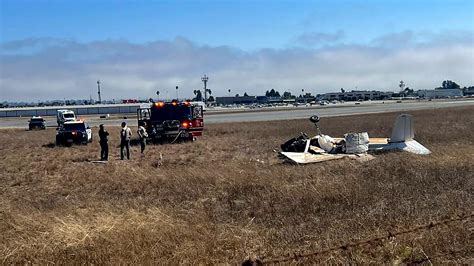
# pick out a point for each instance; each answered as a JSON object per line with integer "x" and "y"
{"x": 98, "y": 91}
{"x": 205, "y": 79}
{"x": 177, "y": 96}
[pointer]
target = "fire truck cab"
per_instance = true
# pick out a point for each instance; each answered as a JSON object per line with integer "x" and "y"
{"x": 172, "y": 120}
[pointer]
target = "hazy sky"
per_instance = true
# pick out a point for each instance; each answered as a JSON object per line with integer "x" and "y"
{"x": 58, "y": 49}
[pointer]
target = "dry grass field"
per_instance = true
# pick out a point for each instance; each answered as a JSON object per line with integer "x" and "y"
{"x": 227, "y": 197}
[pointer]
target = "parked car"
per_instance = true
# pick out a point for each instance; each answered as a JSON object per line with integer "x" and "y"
{"x": 36, "y": 122}
{"x": 77, "y": 132}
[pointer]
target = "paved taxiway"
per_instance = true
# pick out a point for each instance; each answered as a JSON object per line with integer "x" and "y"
{"x": 270, "y": 114}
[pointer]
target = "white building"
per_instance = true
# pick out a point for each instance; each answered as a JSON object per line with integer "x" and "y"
{"x": 358, "y": 95}
{"x": 440, "y": 93}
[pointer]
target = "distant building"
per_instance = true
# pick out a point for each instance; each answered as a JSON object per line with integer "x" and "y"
{"x": 469, "y": 91}
{"x": 236, "y": 100}
{"x": 357, "y": 95}
{"x": 268, "y": 99}
{"x": 305, "y": 99}
{"x": 440, "y": 93}
{"x": 262, "y": 99}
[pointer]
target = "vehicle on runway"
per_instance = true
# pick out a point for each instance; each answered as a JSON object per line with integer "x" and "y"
{"x": 170, "y": 121}
{"x": 36, "y": 122}
{"x": 63, "y": 116}
{"x": 322, "y": 148}
{"x": 73, "y": 132}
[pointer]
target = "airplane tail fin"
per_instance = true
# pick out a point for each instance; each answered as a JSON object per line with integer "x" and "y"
{"x": 403, "y": 129}
{"x": 403, "y": 136}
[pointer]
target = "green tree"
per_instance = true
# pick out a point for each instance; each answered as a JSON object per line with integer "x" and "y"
{"x": 272, "y": 93}
{"x": 287, "y": 95}
{"x": 407, "y": 91}
{"x": 198, "y": 94}
{"x": 449, "y": 84}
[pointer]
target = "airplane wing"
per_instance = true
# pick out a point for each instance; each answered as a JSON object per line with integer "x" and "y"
{"x": 306, "y": 157}
{"x": 412, "y": 146}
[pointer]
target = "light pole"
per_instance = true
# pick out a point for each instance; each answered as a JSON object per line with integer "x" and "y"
{"x": 177, "y": 96}
{"x": 229, "y": 92}
{"x": 158, "y": 94}
{"x": 205, "y": 79}
{"x": 98, "y": 91}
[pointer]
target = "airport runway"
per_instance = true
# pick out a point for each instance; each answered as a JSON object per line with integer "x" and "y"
{"x": 269, "y": 114}
{"x": 332, "y": 110}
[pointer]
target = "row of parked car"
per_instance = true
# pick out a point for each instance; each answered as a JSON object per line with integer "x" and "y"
{"x": 69, "y": 130}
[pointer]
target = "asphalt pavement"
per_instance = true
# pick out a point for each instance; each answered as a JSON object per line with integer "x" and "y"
{"x": 269, "y": 114}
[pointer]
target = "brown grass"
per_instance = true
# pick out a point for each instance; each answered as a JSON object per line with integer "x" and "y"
{"x": 227, "y": 196}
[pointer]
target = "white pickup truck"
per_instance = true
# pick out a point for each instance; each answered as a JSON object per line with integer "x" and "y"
{"x": 65, "y": 116}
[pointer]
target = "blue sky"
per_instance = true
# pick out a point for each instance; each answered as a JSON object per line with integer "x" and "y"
{"x": 243, "y": 24}
{"x": 94, "y": 36}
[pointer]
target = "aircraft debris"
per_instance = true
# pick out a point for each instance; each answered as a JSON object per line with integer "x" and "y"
{"x": 321, "y": 148}
{"x": 99, "y": 162}
{"x": 257, "y": 160}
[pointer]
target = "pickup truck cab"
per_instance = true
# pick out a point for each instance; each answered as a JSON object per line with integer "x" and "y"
{"x": 36, "y": 122}
{"x": 77, "y": 132}
{"x": 63, "y": 116}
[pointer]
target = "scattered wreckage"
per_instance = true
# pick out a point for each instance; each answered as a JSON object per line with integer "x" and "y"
{"x": 320, "y": 148}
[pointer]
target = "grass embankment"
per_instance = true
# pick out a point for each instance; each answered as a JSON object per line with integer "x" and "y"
{"x": 227, "y": 196}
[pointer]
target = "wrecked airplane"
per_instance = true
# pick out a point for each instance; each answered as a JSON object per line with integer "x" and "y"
{"x": 321, "y": 148}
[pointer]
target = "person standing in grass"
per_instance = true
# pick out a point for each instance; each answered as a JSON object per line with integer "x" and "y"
{"x": 103, "y": 141}
{"x": 125, "y": 135}
{"x": 142, "y": 134}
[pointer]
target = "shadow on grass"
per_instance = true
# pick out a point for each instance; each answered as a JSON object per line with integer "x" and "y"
{"x": 133, "y": 142}
{"x": 49, "y": 145}
{"x": 136, "y": 142}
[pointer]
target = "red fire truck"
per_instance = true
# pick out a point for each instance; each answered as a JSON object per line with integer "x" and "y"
{"x": 174, "y": 120}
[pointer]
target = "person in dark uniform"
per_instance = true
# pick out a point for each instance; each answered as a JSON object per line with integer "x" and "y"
{"x": 103, "y": 141}
{"x": 125, "y": 135}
